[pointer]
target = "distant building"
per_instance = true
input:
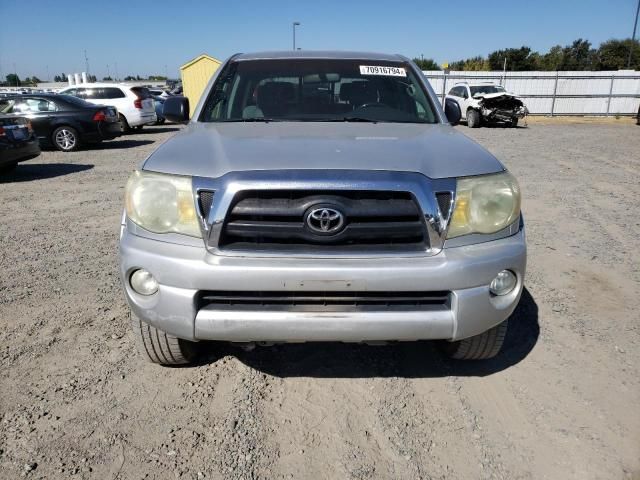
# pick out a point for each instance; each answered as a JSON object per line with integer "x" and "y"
{"x": 195, "y": 77}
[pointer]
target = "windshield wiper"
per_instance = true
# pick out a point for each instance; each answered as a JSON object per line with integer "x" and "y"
{"x": 265, "y": 120}
{"x": 351, "y": 119}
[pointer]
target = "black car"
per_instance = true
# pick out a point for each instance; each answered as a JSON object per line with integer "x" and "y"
{"x": 63, "y": 121}
{"x": 17, "y": 141}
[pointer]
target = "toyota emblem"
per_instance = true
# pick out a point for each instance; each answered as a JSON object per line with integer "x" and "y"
{"x": 325, "y": 221}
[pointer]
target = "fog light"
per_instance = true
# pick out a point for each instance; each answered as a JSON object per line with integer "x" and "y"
{"x": 504, "y": 283}
{"x": 143, "y": 282}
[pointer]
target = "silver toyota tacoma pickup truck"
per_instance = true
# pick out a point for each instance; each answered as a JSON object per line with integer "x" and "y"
{"x": 320, "y": 196}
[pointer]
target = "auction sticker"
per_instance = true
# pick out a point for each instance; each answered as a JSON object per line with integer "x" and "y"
{"x": 379, "y": 70}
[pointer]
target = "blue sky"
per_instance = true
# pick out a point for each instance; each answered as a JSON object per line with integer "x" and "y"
{"x": 144, "y": 36}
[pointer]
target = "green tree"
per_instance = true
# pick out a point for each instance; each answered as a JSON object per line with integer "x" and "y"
{"x": 474, "y": 64}
{"x": 552, "y": 60}
{"x": 518, "y": 59}
{"x": 578, "y": 56}
{"x": 423, "y": 64}
{"x": 107, "y": 79}
{"x": 614, "y": 54}
{"x": 13, "y": 79}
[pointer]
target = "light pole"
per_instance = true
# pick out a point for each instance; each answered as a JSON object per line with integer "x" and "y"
{"x": 295, "y": 24}
{"x": 633, "y": 37}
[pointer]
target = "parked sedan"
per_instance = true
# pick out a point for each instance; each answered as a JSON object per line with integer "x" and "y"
{"x": 17, "y": 141}
{"x": 63, "y": 121}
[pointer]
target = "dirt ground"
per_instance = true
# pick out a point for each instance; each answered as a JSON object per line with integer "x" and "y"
{"x": 561, "y": 402}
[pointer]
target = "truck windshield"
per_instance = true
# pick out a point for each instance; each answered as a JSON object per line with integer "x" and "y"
{"x": 318, "y": 90}
{"x": 484, "y": 89}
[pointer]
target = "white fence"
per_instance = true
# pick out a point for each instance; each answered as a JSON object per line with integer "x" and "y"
{"x": 558, "y": 93}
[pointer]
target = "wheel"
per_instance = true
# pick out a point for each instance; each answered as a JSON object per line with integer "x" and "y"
{"x": 514, "y": 122}
{"x": 160, "y": 347}
{"x": 473, "y": 118}
{"x": 481, "y": 347}
{"x": 66, "y": 139}
{"x": 125, "y": 125}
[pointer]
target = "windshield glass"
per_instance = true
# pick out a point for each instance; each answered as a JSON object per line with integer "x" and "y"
{"x": 318, "y": 90}
{"x": 483, "y": 89}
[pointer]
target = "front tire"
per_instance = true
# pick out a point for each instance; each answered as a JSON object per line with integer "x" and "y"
{"x": 473, "y": 118}
{"x": 125, "y": 125}
{"x": 160, "y": 347}
{"x": 480, "y": 347}
{"x": 65, "y": 139}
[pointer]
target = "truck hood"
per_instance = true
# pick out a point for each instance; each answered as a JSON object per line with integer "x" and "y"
{"x": 214, "y": 149}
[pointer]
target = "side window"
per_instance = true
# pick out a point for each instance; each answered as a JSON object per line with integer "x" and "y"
{"x": 72, "y": 91}
{"x": 90, "y": 93}
{"x": 464, "y": 93}
{"x": 43, "y": 105}
{"x": 454, "y": 92}
{"x": 21, "y": 106}
{"x": 81, "y": 93}
{"x": 111, "y": 92}
{"x": 34, "y": 105}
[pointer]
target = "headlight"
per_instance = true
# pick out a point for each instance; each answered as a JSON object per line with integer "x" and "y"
{"x": 162, "y": 203}
{"x": 485, "y": 204}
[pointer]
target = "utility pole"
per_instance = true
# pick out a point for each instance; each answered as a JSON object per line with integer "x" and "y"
{"x": 295, "y": 24}
{"x": 108, "y": 74}
{"x": 504, "y": 72}
{"x": 86, "y": 62}
{"x": 15, "y": 72}
{"x": 116, "y": 79}
{"x": 633, "y": 37}
{"x": 47, "y": 73}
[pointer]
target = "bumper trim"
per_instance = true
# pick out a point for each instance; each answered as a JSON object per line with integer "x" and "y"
{"x": 247, "y": 325}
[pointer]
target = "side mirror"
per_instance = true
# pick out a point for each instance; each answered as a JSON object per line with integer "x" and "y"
{"x": 176, "y": 109}
{"x": 451, "y": 110}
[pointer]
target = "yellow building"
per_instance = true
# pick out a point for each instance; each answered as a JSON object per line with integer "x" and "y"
{"x": 195, "y": 77}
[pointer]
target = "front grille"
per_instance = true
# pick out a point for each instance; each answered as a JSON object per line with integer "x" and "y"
{"x": 268, "y": 220}
{"x": 325, "y": 301}
{"x": 444, "y": 203}
{"x": 205, "y": 200}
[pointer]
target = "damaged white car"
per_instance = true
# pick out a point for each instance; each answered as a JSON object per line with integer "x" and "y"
{"x": 487, "y": 103}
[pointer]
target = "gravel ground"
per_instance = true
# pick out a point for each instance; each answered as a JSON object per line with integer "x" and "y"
{"x": 561, "y": 402}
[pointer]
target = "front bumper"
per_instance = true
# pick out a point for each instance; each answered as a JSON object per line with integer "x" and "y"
{"x": 184, "y": 271}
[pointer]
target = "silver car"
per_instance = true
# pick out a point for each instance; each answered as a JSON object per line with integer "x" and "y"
{"x": 320, "y": 196}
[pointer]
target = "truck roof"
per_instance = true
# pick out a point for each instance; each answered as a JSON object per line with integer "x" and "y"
{"x": 319, "y": 54}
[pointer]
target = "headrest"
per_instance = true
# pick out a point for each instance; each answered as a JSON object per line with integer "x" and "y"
{"x": 276, "y": 91}
{"x": 358, "y": 93}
